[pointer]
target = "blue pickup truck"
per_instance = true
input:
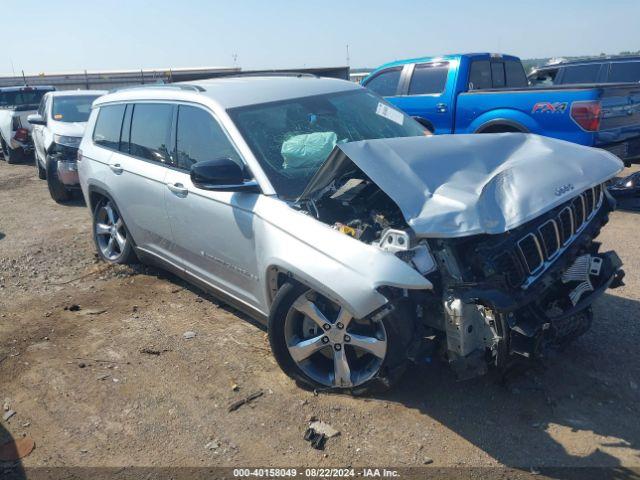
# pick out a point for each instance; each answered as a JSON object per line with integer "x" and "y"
{"x": 489, "y": 93}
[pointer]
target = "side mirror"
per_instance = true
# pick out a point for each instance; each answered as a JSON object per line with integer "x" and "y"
{"x": 222, "y": 174}
{"x": 36, "y": 119}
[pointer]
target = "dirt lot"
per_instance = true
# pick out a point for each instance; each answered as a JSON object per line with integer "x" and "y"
{"x": 83, "y": 389}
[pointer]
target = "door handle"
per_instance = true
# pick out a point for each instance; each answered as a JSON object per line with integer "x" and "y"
{"x": 441, "y": 107}
{"x": 178, "y": 189}
{"x": 116, "y": 168}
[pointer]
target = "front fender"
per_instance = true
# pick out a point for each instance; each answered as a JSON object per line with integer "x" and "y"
{"x": 343, "y": 269}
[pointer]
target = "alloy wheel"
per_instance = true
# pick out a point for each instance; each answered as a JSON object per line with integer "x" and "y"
{"x": 110, "y": 232}
{"x": 332, "y": 347}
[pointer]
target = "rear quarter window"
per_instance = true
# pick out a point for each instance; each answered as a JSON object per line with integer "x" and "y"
{"x": 625, "y": 72}
{"x": 108, "y": 125}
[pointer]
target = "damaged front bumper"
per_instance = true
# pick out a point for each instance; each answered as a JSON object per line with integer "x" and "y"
{"x": 510, "y": 326}
{"x": 65, "y": 159}
{"x": 68, "y": 172}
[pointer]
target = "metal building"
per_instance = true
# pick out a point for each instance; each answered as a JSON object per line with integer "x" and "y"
{"x": 110, "y": 79}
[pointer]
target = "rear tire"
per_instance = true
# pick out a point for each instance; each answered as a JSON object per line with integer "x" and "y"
{"x": 113, "y": 241}
{"x": 57, "y": 189}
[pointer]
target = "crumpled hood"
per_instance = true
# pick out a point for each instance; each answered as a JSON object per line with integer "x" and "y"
{"x": 461, "y": 185}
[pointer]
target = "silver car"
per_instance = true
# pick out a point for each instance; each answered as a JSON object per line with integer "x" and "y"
{"x": 360, "y": 241}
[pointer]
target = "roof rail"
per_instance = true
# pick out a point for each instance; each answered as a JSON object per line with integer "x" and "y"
{"x": 266, "y": 73}
{"x": 178, "y": 86}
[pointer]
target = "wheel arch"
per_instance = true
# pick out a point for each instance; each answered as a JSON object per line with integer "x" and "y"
{"x": 95, "y": 194}
{"x": 425, "y": 123}
{"x": 500, "y": 125}
{"x": 357, "y": 303}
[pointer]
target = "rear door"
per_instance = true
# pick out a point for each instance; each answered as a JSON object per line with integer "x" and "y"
{"x": 424, "y": 95}
{"x": 137, "y": 169}
{"x": 213, "y": 231}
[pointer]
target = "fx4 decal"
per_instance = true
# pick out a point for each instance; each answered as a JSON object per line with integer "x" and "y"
{"x": 548, "y": 107}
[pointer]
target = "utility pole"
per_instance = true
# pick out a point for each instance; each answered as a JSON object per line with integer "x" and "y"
{"x": 235, "y": 59}
{"x": 348, "y": 59}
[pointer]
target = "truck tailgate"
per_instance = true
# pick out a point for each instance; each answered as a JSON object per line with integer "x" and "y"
{"x": 620, "y": 120}
{"x": 620, "y": 106}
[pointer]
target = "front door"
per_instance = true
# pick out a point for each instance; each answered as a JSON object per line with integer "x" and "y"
{"x": 213, "y": 231}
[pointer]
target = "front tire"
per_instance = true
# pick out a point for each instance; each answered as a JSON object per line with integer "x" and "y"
{"x": 112, "y": 239}
{"x": 319, "y": 345}
{"x": 59, "y": 192}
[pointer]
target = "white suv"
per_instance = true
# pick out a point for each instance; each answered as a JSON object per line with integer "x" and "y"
{"x": 58, "y": 127}
{"x": 320, "y": 209}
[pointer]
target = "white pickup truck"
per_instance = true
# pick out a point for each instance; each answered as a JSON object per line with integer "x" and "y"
{"x": 16, "y": 104}
{"x": 58, "y": 127}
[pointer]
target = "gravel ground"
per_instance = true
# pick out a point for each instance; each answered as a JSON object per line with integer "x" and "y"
{"x": 94, "y": 363}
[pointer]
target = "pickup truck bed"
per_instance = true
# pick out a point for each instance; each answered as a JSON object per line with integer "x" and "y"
{"x": 599, "y": 115}
{"x": 16, "y": 104}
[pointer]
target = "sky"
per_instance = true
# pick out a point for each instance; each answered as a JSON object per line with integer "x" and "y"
{"x": 71, "y": 35}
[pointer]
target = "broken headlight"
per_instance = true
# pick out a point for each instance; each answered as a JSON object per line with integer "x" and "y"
{"x": 399, "y": 243}
{"x": 64, "y": 140}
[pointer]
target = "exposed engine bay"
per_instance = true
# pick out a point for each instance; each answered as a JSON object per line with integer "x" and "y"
{"x": 497, "y": 298}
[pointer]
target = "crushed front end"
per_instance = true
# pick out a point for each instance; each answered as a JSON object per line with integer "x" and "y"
{"x": 503, "y": 226}
{"x": 508, "y": 296}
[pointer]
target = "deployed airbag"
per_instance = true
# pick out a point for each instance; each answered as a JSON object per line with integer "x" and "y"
{"x": 307, "y": 150}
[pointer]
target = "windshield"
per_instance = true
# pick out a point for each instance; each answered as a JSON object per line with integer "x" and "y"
{"x": 21, "y": 98}
{"x": 72, "y": 109}
{"x": 292, "y": 138}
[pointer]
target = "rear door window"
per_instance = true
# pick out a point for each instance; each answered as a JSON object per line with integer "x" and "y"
{"x": 581, "y": 73}
{"x": 107, "y": 130}
{"x": 625, "y": 72}
{"x": 151, "y": 132}
{"x": 480, "y": 75}
{"x": 200, "y": 137}
{"x": 515, "y": 75}
{"x": 386, "y": 82}
{"x": 428, "y": 78}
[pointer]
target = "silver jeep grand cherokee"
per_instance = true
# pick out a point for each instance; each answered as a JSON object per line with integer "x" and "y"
{"x": 320, "y": 209}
